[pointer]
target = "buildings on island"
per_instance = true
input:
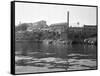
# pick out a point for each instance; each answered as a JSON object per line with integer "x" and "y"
{"x": 59, "y": 30}
{"x": 59, "y": 27}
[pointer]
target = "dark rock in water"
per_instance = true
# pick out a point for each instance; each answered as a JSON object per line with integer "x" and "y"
{"x": 50, "y": 42}
{"x": 77, "y": 42}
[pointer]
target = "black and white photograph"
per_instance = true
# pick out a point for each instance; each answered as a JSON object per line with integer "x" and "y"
{"x": 52, "y": 37}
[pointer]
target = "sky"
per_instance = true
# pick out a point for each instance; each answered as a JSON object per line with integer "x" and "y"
{"x": 32, "y": 12}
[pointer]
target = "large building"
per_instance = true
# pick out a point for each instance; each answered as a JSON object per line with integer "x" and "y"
{"x": 59, "y": 27}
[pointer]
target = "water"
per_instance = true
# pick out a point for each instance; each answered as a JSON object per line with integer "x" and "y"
{"x": 33, "y": 57}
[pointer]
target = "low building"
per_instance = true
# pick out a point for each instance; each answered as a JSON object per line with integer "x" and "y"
{"x": 75, "y": 29}
{"x": 90, "y": 29}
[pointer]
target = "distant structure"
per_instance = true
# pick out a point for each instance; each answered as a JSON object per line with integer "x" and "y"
{"x": 37, "y": 25}
{"x": 75, "y": 29}
{"x": 90, "y": 29}
{"x": 59, "y": 27}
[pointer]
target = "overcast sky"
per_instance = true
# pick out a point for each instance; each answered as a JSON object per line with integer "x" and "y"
{"x": 32, "y": 12}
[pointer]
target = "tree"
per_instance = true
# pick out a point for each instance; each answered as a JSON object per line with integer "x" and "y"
{"x": 21, "y": 27}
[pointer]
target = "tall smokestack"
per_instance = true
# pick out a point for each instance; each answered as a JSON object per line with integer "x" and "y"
{"x": 68, "y": 18}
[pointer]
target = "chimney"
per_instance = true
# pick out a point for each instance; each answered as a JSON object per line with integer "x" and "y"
{"x": 68, "y": 18}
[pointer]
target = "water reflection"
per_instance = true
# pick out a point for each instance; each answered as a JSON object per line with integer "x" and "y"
{"x": 54, "y": 57}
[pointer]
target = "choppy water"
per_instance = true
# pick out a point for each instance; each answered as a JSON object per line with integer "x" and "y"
{"x": 32, "y": 57}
